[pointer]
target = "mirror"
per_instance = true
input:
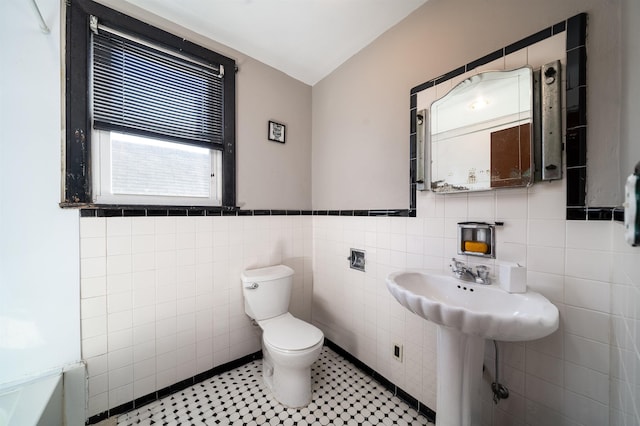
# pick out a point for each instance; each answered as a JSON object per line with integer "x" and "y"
{"x": 480, "y": 133}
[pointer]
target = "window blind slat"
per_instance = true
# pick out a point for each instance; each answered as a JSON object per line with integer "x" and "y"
{"x": 150, "y": 91}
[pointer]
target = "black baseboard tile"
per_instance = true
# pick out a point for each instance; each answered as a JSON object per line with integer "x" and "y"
{"x": 403, "y": 395}
{"x": 120, "y": 409}
{"x": 144, "y": 400}
{"x": 427, "y": 412}
{"x": 176, "y": 387}
{"x": 164, "y": 392}
{"x": 182, "y": 385}
{"x": 97, "y": 418}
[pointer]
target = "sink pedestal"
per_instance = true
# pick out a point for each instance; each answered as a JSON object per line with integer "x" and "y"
{"x": 459, "y": 370}
{"x": 466, "y": 315}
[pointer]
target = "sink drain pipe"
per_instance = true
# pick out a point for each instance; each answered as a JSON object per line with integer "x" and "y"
{"x": 499, "y": 391}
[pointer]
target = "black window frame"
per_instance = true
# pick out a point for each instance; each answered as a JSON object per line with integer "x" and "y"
{"x": 77, "y": 191}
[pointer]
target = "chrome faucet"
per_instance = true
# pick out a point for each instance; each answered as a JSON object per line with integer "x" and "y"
{"x": 465, "y": 273}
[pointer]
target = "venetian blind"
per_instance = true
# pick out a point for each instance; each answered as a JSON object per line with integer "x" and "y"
{"x": 140, "y": 89}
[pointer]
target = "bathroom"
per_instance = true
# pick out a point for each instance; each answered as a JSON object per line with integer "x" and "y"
{"x": 67, "y": 277}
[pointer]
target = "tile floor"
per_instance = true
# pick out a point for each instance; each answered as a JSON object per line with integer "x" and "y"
{"x": 342, "y": 395}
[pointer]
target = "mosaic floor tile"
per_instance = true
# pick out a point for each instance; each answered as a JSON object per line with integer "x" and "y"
{"x": 342, "y": 395}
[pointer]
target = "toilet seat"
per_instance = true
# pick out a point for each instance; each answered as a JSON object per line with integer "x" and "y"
{"x": 288, "y": 333}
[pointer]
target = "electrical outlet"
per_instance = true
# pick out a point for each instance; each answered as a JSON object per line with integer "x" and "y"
{"x": 397, "y": 351}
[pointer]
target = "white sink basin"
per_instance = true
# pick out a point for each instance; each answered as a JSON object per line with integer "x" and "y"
{"x": 480, "y": 310}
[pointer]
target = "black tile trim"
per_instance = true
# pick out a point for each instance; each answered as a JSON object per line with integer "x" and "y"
{"x": 596, "y": 213}
{"x": 618, "y": 214}
{"x": 485, "y": 59}
{"x": 403, "y": 395}
{"x": 521, "y": 44}
{"x": 528, "y": 41}
{"x": 176, "y": 387}
{"x": 155, "y": 212}
{"x": 575, "y": 118}
{"x": 576, "y": 213}
{"x": 600, "y": 213}
{"x": 422, "y": 86}
{"x": 576, "y": 121}
{"x": 576, "y": 31}
{"x": 559, "y": 27}
{"x": 451, "y": 74}
{"x": 576, "y": 110}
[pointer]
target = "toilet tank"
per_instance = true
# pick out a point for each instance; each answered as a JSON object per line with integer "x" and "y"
{"x": 271, "y": 296}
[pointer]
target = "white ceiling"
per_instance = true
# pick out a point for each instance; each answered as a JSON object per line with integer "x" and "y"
{"x": 306, "y": 39}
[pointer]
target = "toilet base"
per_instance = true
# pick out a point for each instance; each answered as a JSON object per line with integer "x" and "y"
{"x": 290, "y": 380}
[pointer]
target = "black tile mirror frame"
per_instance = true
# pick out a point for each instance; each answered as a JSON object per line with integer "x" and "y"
{"x": 575, "y": 94}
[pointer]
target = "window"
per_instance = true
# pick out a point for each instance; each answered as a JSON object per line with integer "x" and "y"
{"x": 150, "y": 116}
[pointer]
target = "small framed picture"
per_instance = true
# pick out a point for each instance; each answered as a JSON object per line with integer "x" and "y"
{"x": 276, "y": 132}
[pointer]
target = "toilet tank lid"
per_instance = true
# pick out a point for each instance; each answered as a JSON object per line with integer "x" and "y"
{"x": 266, "y": 274}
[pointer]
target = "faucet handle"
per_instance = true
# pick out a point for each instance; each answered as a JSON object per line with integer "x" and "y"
{"x": 482, "y": 271}
{"x": 456, "y": 264}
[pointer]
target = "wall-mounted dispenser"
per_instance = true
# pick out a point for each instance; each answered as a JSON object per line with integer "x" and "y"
{"x": 477, "y": 239}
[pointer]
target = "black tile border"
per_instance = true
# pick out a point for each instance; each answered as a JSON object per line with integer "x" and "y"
{"x": 576, "y": 114}
{"x": 395, "y": 390}
{"x": 184, "y": 384}
{"x": 176, "y": 387}
{"x": 124, "y": 211}
{"x": 576, "y": 121}
{"x": 497, "y": 54}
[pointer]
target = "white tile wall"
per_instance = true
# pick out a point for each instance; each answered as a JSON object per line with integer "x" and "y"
{"x": 161, "y": 299}
{"x": 625, "y": 313}
{"x": 146, "y": 327}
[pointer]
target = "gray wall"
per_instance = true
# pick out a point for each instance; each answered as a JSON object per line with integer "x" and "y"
{"x": 269, "y": 175}
{"x": 360, "y": 111}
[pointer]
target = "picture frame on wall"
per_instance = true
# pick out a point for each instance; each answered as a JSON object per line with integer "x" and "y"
{"x": 276, "y": 132}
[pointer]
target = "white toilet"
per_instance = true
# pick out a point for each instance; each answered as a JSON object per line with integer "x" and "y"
{"x": 289, "y": 345}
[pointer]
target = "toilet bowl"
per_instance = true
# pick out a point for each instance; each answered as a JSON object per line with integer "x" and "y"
{"x": 289, "y": 345}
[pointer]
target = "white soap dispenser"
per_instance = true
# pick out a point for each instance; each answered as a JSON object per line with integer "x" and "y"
{"x": 513, "y": 278}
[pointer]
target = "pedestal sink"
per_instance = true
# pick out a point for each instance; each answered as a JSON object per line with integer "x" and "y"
{"x": 467, "y": 314}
